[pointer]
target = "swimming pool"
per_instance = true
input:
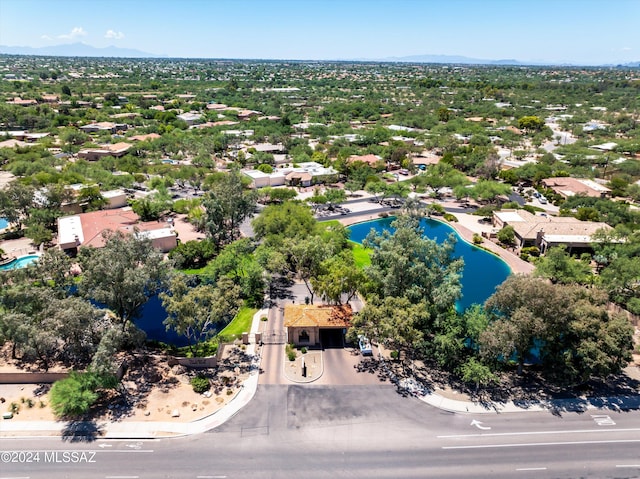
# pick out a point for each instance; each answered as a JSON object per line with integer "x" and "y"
{"x": 21, "y": 262}
{"x": 3, "y": 223}
{"x": 482, "y": 273}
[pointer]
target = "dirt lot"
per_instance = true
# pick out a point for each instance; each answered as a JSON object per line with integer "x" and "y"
{"x": 151, "y": 391}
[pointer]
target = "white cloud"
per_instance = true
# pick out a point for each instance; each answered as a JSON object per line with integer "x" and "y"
{"x": 45, "y": 37}
{"x": 114, "y": 35}
{"x": 74, "y": 33}
{"x": 626, "y": 49}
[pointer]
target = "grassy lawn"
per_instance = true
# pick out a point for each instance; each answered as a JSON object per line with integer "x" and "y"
{"x": 361, "y": 255}
{"x": 193, "y": 271}
{"x": 240, "y": 324}
{"x": 233, "y": 330}
{"x": 328, "y": 224}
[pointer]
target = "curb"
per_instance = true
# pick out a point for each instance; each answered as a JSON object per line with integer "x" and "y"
{"x": 298, "y": 381}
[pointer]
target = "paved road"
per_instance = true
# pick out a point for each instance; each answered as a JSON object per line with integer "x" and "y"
{"x": 356, "y": 431}
{"x": 356, "y": 426}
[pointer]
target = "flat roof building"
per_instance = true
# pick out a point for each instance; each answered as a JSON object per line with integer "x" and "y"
{"x": 566, "y": 186}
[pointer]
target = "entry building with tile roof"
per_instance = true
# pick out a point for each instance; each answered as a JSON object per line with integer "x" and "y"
{"x": 304, "y": 322}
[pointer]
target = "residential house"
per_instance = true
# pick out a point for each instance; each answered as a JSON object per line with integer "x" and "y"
{"x": 190, "y": 118}
{"x": 609, "y": 146}
{"x": 50, "y": 98}
{"x": 20, "y": 102}
{"x": 298, "y": 178}
{"x": 370, "y": 159}
{"x": 548, "y": 231}
{"x": 216, "y": 106}
{"x": 246, "y": 114}
{"x": 260, "y": 179}
{"x": 147, "y": 137}
{"x": 116, "y": 150}
{"x": 87, "y": 229}
{"x": 310, "y": 173}
{"x": 269, "y": 148}
{"x": 115, "y": 199}
{"x": 567, "y": 186}
{"x": 104, "y": 126}
{"x": 25, "y": 136}
{"x": 13, "y": 143}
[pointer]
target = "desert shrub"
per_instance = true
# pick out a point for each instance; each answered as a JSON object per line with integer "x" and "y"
{"x": 200, "y": 384}
{"x": 531, "y": 251}
{"x": 74, "y": 396}
{"x": 507, "y": 235}
{"x": 291, "y": 352}
{"x": 477, "y": 239}
{"x": 450, "y": 217}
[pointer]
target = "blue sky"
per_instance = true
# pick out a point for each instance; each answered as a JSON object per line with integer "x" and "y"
{"x": 560, "y": 31}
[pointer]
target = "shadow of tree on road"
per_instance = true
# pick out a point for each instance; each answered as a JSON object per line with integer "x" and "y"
{"x": 81, "y": 431}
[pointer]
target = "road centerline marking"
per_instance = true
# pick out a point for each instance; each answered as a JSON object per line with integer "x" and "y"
{"x": 533, "y": 444}
{"x": 534, "y": 433}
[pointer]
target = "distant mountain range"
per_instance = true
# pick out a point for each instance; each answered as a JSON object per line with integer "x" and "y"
{"x": 83, "y": 50}
{"x": 457, "y": 59}
{"x": 78, "y": 50}
{"x": 462, "y": 60}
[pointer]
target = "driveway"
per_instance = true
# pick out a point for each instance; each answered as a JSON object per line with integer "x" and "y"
{"x": 341, "y": 365}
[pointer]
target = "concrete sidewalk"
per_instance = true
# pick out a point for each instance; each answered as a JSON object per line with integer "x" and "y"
{"x": 617, "y": 403}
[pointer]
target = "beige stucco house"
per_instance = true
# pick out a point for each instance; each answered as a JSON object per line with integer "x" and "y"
{"x": 548, "y": 231}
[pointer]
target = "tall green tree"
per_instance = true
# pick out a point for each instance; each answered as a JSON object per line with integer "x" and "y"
{"x": 305, "y": 258}
{"x": 16, "y": 202}
{"x": 198, "y": 312}
{"x": 558, "y": 266}
{"x": 524, "y": 307}
{"x": 227, "y": 205}
{"x": 392, "y": 321}
{"x": 123, "y": 274}
{"x": 570, "y": 327}
{"x": 338, "y": 277}
{"x": 406, "y": 264}
{"x": 443, "y": 175}
{"x": 288, "y": 220}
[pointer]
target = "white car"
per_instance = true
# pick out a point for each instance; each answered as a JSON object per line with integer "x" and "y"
{"x": 365, "y": 345}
